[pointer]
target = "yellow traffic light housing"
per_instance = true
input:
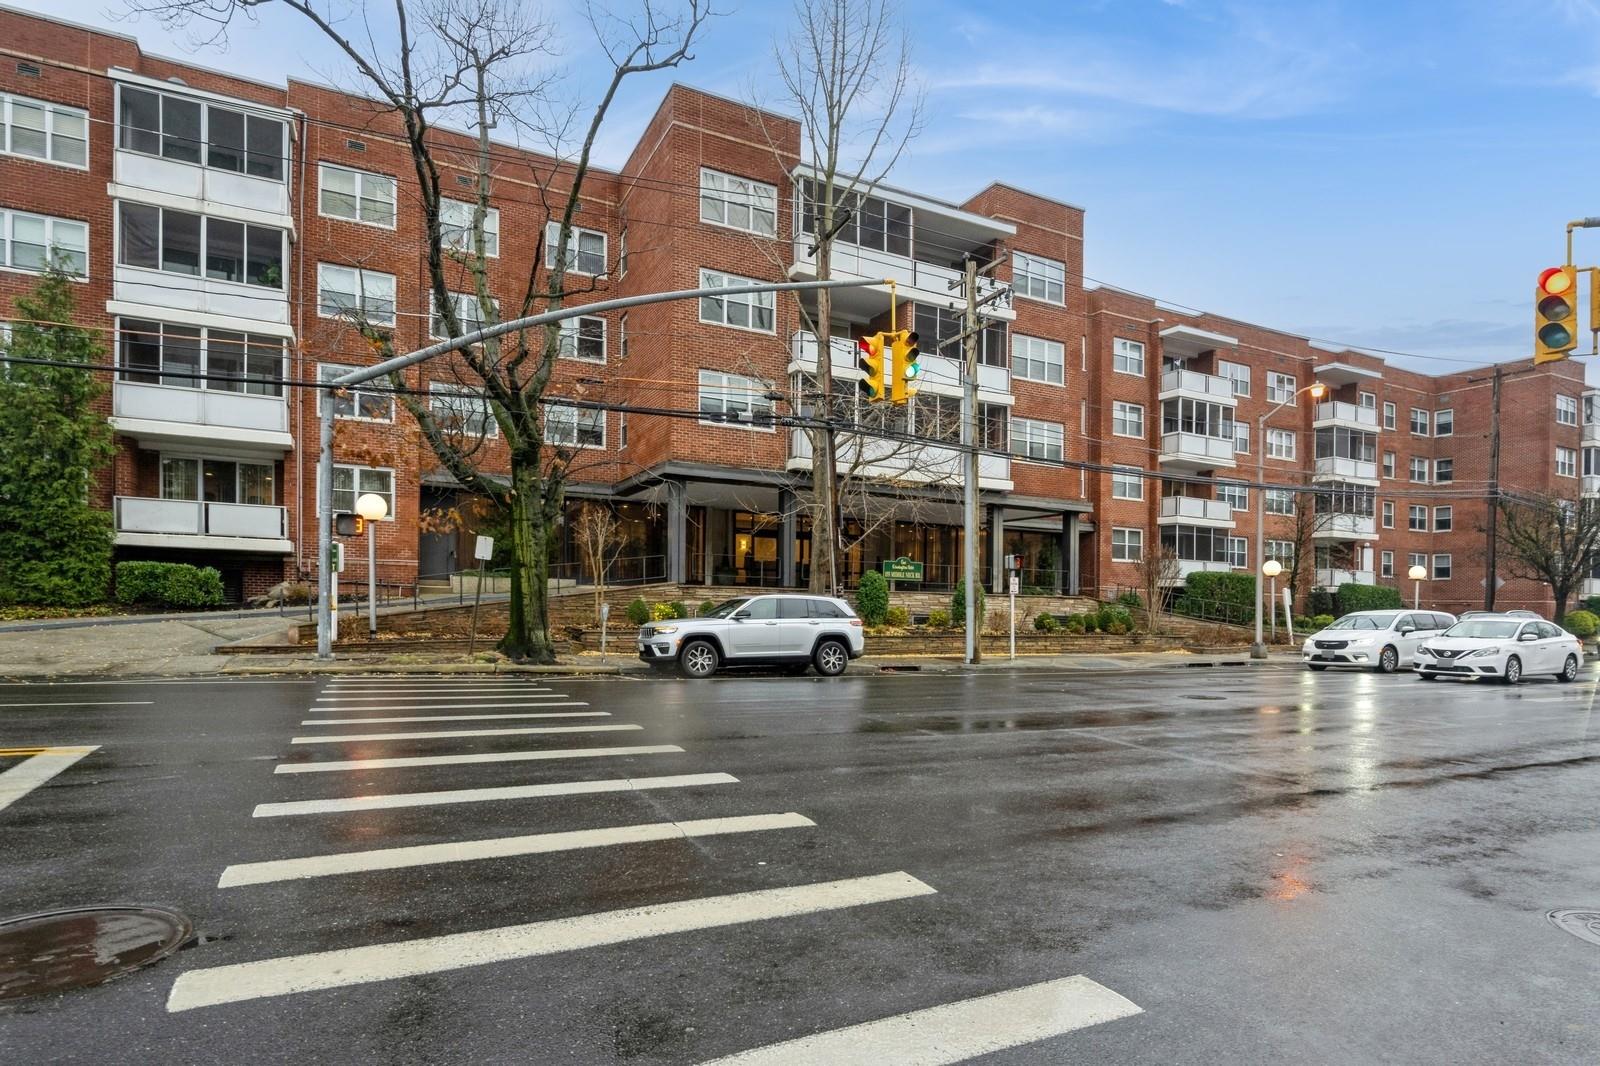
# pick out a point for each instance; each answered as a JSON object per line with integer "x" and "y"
{"x": 1555, "y": 314}
{"x": 874, "y": 364}
{"x": 906, "y": 367}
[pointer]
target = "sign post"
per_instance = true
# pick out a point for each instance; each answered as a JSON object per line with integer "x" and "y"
{"x": 1016, "y": 580}
{"x": 337, "y": 551}
{"x": 605, "y": 616}
{"x": 482, "y": 549}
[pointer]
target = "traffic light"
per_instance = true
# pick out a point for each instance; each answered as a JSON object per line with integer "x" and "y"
{"x": 1555, "y": 317}
{"x": 346, "y": 524}
{"x": 907, "y": 370}
{"x": 874, "y": 364}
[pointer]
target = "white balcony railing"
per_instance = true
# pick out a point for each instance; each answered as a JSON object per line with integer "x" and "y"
{"x": 849, "y": 260}
{"x": 1206, "y": 386}
{"x": 1591, "y": 484}
{"x": 1348, "y": 413}
{"x": 1591, "y": 432}
{"x": 893, "y": 460}
{"x": 197, "y": 518}
{"x": 1345, "y": 527}
{"x": 1194, "y": 509}
{"x": 1196, "y": 448}
{"x": 1337, "y": 466}
{"x": 1202, "y": 566}
{"x": 1332, "y": 579}
{"x": 200, "y": 407}
{"x": 159, "y": 289}
{"x": 229, "y": 193}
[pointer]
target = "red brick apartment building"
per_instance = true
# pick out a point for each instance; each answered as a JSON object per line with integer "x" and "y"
{"x": 219, "y": 225}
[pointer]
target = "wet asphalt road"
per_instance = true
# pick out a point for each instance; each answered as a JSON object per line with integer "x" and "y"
{"x": 1273, "y": 865}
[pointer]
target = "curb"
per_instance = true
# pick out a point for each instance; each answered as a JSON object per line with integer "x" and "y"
{"x": 594, "y": 669}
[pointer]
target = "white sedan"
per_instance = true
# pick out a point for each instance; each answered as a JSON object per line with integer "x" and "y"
{"x": 1500, "y": 646}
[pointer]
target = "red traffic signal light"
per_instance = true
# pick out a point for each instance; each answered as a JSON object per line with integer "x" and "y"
{"x": 1555, "y": 317}
{"x": 874, "y": 365}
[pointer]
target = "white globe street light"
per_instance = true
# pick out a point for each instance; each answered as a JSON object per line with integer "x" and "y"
{"x": 1417, "y": 573}
{"x": 372, "y": 508}
{"x": 1316, "y": 390}
{"x": 1272, "y": 568}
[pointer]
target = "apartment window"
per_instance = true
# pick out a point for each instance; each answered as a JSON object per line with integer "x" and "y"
{"x": 1444, "y": 422}
{"x": 1419, "y": 422}
{"x": 1038, "y": 278}
{"x": 1443, "y": 519}
{"x": 1127, "y": 545}
{"x": 864, "y": 221}
{"x": 1591, "y": 462}
{"x": 188, "y": 130}
{"x": 1127, "y": 419}
{"x": 1280, "y": 387}
{"x": 1036, "y": 359}
{"x": 34, "y": 242}
{"x": 355, "y": 195}
{"x": 1386, "y": 564}
{"x": 1032, "y": 439}
{"x": 752, "y": 311}
{"x": 40, "y": 130}
{"x": 351, "y": 482}
{"x": 1389, "y": 415}
{"x": 584, "y": 338}
{"x": 461, "y": 410}
{"x": 732, "y": 398}
{"x": 1416, "y": 559}
{"x": 1241, "y": 438}
{"x": 1238, "y": 375}
{"x": 1566, "y": 462}
{"x": 1590, "y": 410}
{"x": 1281, "y": 550}
{"x": 1127, "y": 357}
{"x": 1234, "y": 494}
{"x": 1369, "y": 401}
{"x": 1419, "y": 470}
{"x": 1238, "y": 552}
{"x": 217, "y": 481}
{"x": 163, "y": 353}
{"x": 622, "y": 430}
{"x": 363, "y": 294}
{"x": 1417, "y": 518}
{"x": 622, "y": 257}
{"x": 1280, "y": 444}
{"x": 1388, "y": 465}
{"x": 364, "y": 401}
{"x": 1566, "y": 410}
{"x": 586, "y": 249}
{"x": 1279, "y": 501}
{"x": 1126, "y": 484}
{"x": 219, "y": 249}
{"x": 574, "y": 427}
{"x": 1444, "y": 471}
{"x": 622, "y": 334}
{"x": 469, "y": 315}
{"x": 938, "y": 327}
{"x": 1441, "y": 567}
{"x": 1388, "y": 514}
{"x": 739, "y": 203}
{"x": 455, "y": 227}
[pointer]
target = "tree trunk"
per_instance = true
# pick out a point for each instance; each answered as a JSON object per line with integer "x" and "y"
{"x": 824, "y": 537}
{"x": 527, "y": 636}
{"x": 1563, "y": 593}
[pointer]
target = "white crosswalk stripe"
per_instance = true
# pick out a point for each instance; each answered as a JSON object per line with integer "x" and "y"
{"x": 210, "y": 986}
{"x": 532, "y": 697}
{"x": 348, "y": 804}
{"x": 255, "y": 873}
{"x": 458, "y": 717}
{"x": 461, "y": 760}
{"x": 447, "y": 706}
{"x": 440, "y": 734}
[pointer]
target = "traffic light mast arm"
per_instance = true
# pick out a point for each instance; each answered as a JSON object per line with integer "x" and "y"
{"x": 1579, "y": 223}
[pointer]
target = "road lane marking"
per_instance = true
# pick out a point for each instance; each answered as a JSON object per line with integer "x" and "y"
{"x": 333, "y": 695}
{"x": 256, "y": 873}
{"x": 458, "y": 760}
{"x": 532, "y": 696}
{"x": 512, "y": 686}
{"x": 483, "y": 795}
{"x": 457, "y": 717}
{"x": 209, "y": 986}
{"x": 435, "y": 734}
{"x": 953, "y": 1032}
{"x": 41, "y": 766}
{"x": 446, "y": 706}
{"x": 85, "y": 703}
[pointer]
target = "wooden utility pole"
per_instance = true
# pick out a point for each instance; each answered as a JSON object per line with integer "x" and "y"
{"x": 1490, "y": 578}
{"x": 969, "y": 421}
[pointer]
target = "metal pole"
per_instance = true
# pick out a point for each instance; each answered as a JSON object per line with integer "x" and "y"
{"x": 1258, "y": 650}
{"x": 1416, "y": 596}
{"x": 372, "y": 581}
{"x": 969, "y": 488}
{"x": 1491, "y": 575}
{"x": 1274, "y": 610}
{"x": 472, "y": 639}
{"x": 325, "y": 581}
{"x": 1013, "y": 625}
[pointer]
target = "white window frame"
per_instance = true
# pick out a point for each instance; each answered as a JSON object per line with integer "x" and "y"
{"x": 1278, "y": 502}
{"x": 1282, "y": 388}
{"x": 1450, "y": 468}
{"x": 1127, "y": 353}
{"x": 1443, "y": 562}
{"x": 1281, "y": 444}
{"x": 1566, "y": 462}
{"x": 752, "y": 301}
{"x": 1426, "y": 421}
{"x": 51, "y": 110}
{"x": 1416, "y": 518}
{"x": 447, "y": 399}
{"x": 1281, "y": 550}
{"x": 1568, "y": 406}
{"x": 1238, "y": 551}
{"x": 730, "y": 191}
{"x": 1388, "y": 514}
{"x": 462, "y": 240}
{"x": 206, "y": 221}
{"x": 1121, "y": 478}
{"x": 1391, "y": 463}
{"x": 1368, "y": 400}
{"x": 1444, "y": 421}
{"x": 470, "y": 323}
{"x": 1030, "y": 353}
{"x": 1391, "y": 415}
{"x": 126, "y": 326}
{"x": 572, "y": 333}
{"x": 1447, "y": 513}
{"x": 356, "y": 490}
{"x": 579, "y": 415}
{"x": 1236, "y": 493}
{"x": 1386, "y": 563}
{"x": 204, "y": 141}
{"x": 327, "y": 371}
{"x": 735, "y": 392}
{"x": 1241, "y": 437}
{"x": 361, "y": 194}
{"x": 1028, "y": 432}
{"x": 52, "y": 224}
{"x": 1028, "y": 270}
{"x": 575, "y": 252}
{"x": 1238, "y": 374}
{"x": 1418, "y": 463}
{"x": 1125, "y": 413}
{"x": 1132, "y": 547}
{"x": 361, "y": 277}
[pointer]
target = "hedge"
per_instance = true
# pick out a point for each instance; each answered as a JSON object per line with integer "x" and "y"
{"x": 1221, "y": 597}
{"x": 1353, "y": 597}
{"x": 958, "y": 606}
{"x": 1583, "y": 624}
{"x": 168, "y": 585}
{"x": 872, "y": 598}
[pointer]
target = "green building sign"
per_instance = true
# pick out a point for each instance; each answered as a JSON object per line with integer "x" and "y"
{"x": 902, "y": 569}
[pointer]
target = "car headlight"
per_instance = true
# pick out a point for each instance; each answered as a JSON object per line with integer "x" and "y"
{"x": 1482, "y": 652}
{"x": 665, "y": 629}
{"x": 1423, "y": 649}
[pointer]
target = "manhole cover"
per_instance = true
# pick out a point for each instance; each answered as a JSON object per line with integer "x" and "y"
{"x": 1585, "y": 925}
{"x": 62, "y": 950}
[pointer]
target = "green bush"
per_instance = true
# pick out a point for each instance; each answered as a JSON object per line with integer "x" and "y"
{"x": 958, "y": 606}
{"x": 1353, "y": 597}
{"x": 872, "y": 598}
{"x": 638, "y": 612}
{"x": 1322, "y": 621}
{"x": 1582, "y": 624}
{"x": 1320, "y": 602}
{"x": 706, "y": 607}
{"x": 1046, "y": 623}
{"x": 1130, "y": 599}
{"x": 1302, "y": 624}
{"x": 1592, "y": 605}
{"x": 662, "y": 612}
{"x": 938, "y": 619}
{"x": 1074, "y": 624}
{"x": 678, "y": 609}
{"x": 1115, "y": 616}
{"x": 1220, "y": 597}
{"x": 1090, "y": 621}
{"x": 1116, "y": 629}
{"x": 168, "y": 585}
{"x": 898, "y": 616}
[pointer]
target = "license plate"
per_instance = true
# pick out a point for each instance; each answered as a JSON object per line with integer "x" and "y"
{"x": 1324, "y": 656}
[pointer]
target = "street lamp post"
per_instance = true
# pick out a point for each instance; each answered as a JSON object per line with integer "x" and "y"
{"x": 1416, "y": 574}
{"x": 1272, "y": 568}
{"x": 1315, "y": 390}
{"x": 373, "y": 508}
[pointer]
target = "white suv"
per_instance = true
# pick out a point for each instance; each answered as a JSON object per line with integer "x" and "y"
{"x": 792, "y": 630}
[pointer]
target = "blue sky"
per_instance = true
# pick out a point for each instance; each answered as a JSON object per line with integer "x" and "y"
{"x": 1388, "y": 175}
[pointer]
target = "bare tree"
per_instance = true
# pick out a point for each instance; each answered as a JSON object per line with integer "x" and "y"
{"x": 599, "y": 537}
{"x": 1552, "y": 539}
{"x": 482, "y": 65}
{"x": 1158, "y": 569}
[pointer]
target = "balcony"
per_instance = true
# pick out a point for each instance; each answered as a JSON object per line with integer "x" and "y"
{"x": 895, "y": 460}
{"x": 1194, "y": 511}
{"x": 1337, "y": 526}
{"x": 1348, "y": 415}
{"x": 914, "y": 279}
{"x": 1339, "y": 468}
{"x": 939, "y": 374}
{"x": 1202, "y": 566}
{"x": 1195, "y": 451}
{"x": 197, "y": 524}
{"x": 1591, "y": 433}
{"x": 1332, "y": 579}
{"x": 185, "y": 186}
{"x": 1591, "y": 484}
{"x": 167, "y": 414}
{"x": 147, "y": 293}
{"x": 1194, "y": 385}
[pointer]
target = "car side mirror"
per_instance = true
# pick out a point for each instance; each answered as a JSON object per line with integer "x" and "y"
{"x": 1406, "y": 631}
{"x": 1529, "y": 636}
{"x": 740, "y": 616}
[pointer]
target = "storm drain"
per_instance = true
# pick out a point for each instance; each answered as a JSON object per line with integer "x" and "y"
{"x": 1585, "y": 925}
{"x": 58, "y": 951}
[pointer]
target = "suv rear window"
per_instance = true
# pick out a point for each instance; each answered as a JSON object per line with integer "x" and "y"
{"x": 794, "y": 608}
{"x": 827, "y": 609}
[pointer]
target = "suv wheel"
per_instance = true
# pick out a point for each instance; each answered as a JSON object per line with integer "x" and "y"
{"x": 1388, "y": 660}
{"x": 698, "y": 659}
{"x": 831, "y": 658}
